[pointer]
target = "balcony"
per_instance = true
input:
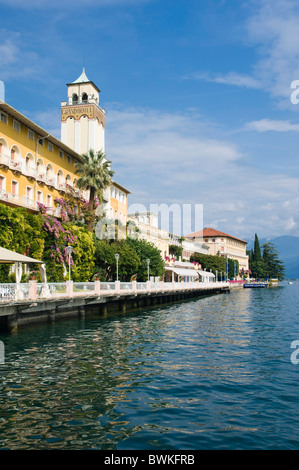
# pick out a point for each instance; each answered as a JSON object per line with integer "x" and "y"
{"x": 4, "y": 160}
{"x": 15, "y": 199}
{"x": 29, "y": 171}
{"x": 61, "y": 187}
{"x": 41, "y": 177}
{"x": 15, "y": 166}
{"x": 50, "y": 181}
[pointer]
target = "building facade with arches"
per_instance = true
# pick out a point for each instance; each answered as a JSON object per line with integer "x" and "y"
{"x": 37, "y": 168}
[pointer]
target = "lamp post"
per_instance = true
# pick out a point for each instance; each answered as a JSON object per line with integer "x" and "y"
{"x": 148, "y": 263}
{"x": 69, "y": 250}
{"x": 117, "y": 258}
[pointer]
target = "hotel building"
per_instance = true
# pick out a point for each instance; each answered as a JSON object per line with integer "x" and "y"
{"x": 223, "y": 244}
{"x": 147, "y": 224}
{"x": 35, "y": 167}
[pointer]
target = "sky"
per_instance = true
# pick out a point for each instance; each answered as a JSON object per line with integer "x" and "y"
{"x": 200, "y": 98}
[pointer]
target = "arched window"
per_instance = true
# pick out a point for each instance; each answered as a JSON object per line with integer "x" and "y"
{"x": 29, "y": 161}
{"x": 75, "y": 98}
{"x": 15, "y": 158}
{"x": 84, "y": 98}
{"x": 3, "y": 146}
{"x": 15, "y": 154}
{"x": 50, "y": 178}
{"x": 68, "y": 180}
{"x": 4, "y": 152}
{"x": 2, "y": 183}
{"x": 60, "y": 181}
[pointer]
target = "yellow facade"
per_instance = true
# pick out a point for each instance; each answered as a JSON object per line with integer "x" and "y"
{"x": 118, "y": 203}
{"x": 35, "y": 167}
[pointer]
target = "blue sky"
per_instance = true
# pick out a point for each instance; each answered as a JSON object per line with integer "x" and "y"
{"x": 197, "y": 97}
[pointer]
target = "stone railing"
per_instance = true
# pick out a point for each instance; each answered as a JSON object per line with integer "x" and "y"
{"x": 34, "y": 290}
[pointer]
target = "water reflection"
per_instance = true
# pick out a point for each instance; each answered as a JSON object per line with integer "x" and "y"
{"x": 210, "y": 373}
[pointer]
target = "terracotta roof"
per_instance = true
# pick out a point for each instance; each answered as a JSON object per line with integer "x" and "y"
{"x": 211, "y": 232}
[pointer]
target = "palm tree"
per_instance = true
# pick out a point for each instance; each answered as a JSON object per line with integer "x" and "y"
{"x": 95, "y": 175}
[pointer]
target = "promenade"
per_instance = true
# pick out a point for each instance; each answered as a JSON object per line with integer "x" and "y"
{"x": 26, "y": 303}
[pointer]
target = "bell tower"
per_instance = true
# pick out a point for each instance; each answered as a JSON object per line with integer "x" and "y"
{"x": 82, "y": 119}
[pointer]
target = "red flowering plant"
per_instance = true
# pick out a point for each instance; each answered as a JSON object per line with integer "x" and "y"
{"x": 74, "y": 208}
{"x": 56, "y": 240}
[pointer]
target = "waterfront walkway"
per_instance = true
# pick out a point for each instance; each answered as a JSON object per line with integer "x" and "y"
{"x": 56, "y": 290}
{"x": 23, "y": 304}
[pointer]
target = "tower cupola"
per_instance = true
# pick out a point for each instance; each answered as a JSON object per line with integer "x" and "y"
{"x": 82, "y": 119}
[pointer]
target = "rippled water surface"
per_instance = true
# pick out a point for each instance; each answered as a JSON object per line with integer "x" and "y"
{"x": 212, "y": 373}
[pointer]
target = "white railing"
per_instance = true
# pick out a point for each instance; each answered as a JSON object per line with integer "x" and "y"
{"x": 37, "y": 291}
{"x": 80, "y": 288}
{"x": 17, "y": 199}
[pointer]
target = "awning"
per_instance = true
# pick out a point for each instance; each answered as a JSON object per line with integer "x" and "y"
{"x": 7, "y": 256}
{"x": 206, "y": 273}
{"x": 183, "y": 272}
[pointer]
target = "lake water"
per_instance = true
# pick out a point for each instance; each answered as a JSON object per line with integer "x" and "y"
{"x": 212, "y": 373}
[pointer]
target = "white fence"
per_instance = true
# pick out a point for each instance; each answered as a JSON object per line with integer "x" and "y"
{"x": 35, "y": 291}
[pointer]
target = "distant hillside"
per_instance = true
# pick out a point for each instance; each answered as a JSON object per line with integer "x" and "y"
{"x": 288, "y": 248}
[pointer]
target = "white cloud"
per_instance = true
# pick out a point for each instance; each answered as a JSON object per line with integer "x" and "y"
{"x": 172, "y": 158}
{"x": 265, "y": 125}
{"x": 231, "y": 78}
{"x": 16, "y": 60}
{"x": 271, "y": 29}
{"x": 9, "y": 52}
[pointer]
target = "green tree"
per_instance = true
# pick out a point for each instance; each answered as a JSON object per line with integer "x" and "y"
{"x": 94, "y": 175}
{"x": 210, "y": 262}
{"x": 176, "y": 250}
{"x": 273, "y": 266}
{"x": 257, "y": 255}
{"x": 257, "y": 265}
{"x": 105, "y": 261}
{"x": 146, "y": 250}
{"x": 84, "y": 253}
{"x": 20, "y": 232}
{"x": 233, "y": 269}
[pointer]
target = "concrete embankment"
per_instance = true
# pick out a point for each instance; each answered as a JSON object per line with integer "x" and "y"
{"x": 21, "y": 313}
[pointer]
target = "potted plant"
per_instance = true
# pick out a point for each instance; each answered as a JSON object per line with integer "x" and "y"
{"x": 97, "y": 276}
{"x": 32, "y": 275}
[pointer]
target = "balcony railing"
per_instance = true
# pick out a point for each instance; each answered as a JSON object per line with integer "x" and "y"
{"x": 39, "y": 174}
{"x": 50, "y": 180}
{"x": 15, "y": 165}
{"x": 29, "y": 171}
{"x": 4, "y": 159}
{"x": 18, "y": 200}
{"x": 61, "y": 186}
{"x": 41, "y": 177}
